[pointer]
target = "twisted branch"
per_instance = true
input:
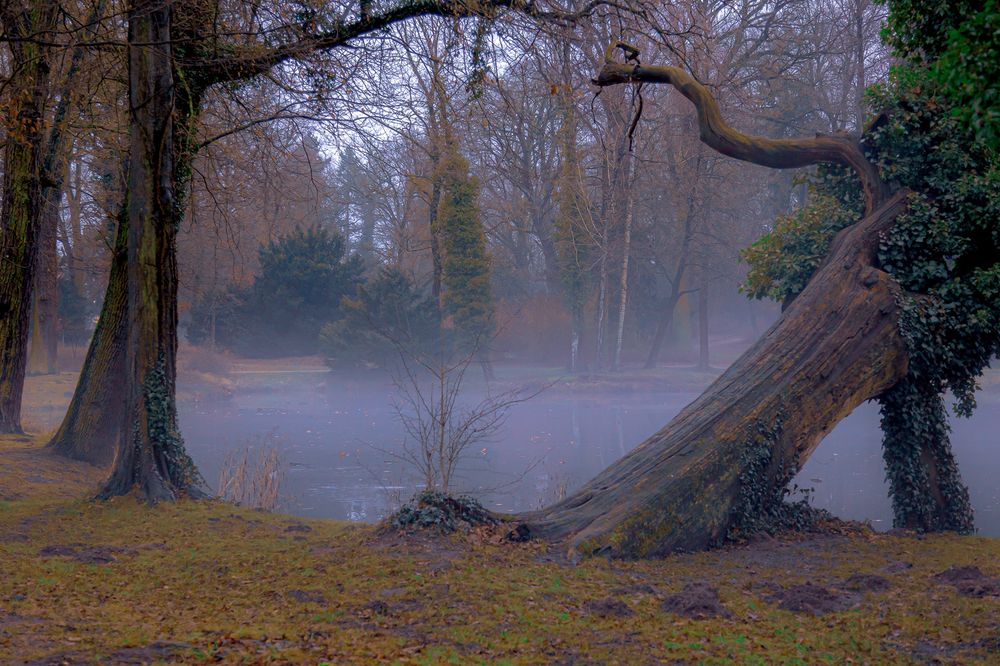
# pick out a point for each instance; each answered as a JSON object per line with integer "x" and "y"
{"x": 840, "y": 148}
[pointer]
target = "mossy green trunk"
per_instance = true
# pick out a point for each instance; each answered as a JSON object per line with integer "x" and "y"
{"x": 89, "y": 431}
{"x": 150, "y": 455}
{"x": 22, "y": 196}
{"x": 837, "y": 345}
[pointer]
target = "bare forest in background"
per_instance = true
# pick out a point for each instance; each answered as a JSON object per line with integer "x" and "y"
{"x": 610, "y": 242}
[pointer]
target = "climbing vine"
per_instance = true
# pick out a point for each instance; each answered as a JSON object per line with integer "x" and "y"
{"x": 945, "y": 254}
{"x": 163, "y": 431}
{"x": 762, "y": 503}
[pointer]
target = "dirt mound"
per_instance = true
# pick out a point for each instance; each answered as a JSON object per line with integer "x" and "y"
{"x": 863, "y": 582}
{"x": 86, "y": 554}
{"x": 896, "y": 567}
{"x": 133, "y": 656}
{"x": 609, "y": 607}
{"x": 697, "y": 600}
{"x": 810, "y": 598}
{"x": 956, "y": 574}
{"x": 969, "y": 581}
{"x": 298, "y": 527}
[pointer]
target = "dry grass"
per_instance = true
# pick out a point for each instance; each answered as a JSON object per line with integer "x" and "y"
{"x": 198, "y": 582}
{"x": 253, "y": 477}
{"x": 206, "y": 582}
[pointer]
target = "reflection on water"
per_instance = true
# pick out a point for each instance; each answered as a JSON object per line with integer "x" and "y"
{"x": 340, "y": 442}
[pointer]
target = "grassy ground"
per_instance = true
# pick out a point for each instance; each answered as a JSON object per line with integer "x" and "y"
{"x": 191, "y": 582}
{"x": 197, "y": 582}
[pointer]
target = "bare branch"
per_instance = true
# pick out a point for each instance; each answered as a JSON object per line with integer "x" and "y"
{"x": 838, "y": 148}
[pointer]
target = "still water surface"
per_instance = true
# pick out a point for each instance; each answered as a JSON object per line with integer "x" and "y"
{"x": 334, "y": 437}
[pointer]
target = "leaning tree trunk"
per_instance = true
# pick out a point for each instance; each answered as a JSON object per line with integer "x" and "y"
{"x": 733, "y": 449}
{"x": 837, "y": 345}
{"x": 150, "y": 455}
{"x": 89, "y": 431}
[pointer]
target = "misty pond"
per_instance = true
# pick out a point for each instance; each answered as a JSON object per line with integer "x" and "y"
{"x": 336, "y": 439}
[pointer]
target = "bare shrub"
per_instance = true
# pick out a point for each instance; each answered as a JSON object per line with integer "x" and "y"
{"x": 440, "y": 430}
{"x": 253, "y": 476}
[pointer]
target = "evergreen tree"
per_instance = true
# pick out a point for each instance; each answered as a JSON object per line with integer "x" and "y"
{"x": 467, "y": 301}
{"x": 303, "y": 278}
{"x": 388, "y": 316}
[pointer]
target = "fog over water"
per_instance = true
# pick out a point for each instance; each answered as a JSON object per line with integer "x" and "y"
{"x": 337, "y": 437}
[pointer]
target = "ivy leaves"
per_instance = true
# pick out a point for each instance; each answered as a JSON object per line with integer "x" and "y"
{"x": 945, "y": 254}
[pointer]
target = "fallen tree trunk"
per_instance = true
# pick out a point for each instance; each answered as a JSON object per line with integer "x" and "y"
{"x": 835, "y": 347}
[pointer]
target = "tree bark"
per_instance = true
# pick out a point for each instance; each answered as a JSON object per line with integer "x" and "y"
{"x": 150, "y": 455}
{"x": 42, "y": 359}
{"x": 836, "y": 346}
{"x": 45, "y": 321}
{"x": 717, "y": 134}
{"x": 22, "y": 196}
{"x": 89, "y": 431}
{"x": 616, "y": 362}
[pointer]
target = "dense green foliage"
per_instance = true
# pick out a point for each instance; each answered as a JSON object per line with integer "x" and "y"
{"x": 959, "y": 42}
{"x": 782, "y": 261}
{"x": 915, "y": 428}
{"x": 303, "y": 278}
{"x": 388, "y": 316}
{"x": 762, "y": 505}
{"x": 468, "y": 302}
{"x": 944, "y": 252}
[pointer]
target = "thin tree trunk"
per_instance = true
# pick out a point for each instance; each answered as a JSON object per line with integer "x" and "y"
{"x": 662, "y": 326}
{"x": 703, "y": 363}
{"x": 91, "y": 426}
{"x": 45, "y": 332}
{"x": 437, "y": 262}
{"x": 616, "y": 363}
{"x": 836, "y": 346}
{"x": 602, "y": 309}
{"x": 667, "y": 314}
{"x": 574, "y": 341}
{"x": 73, "y": 236}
